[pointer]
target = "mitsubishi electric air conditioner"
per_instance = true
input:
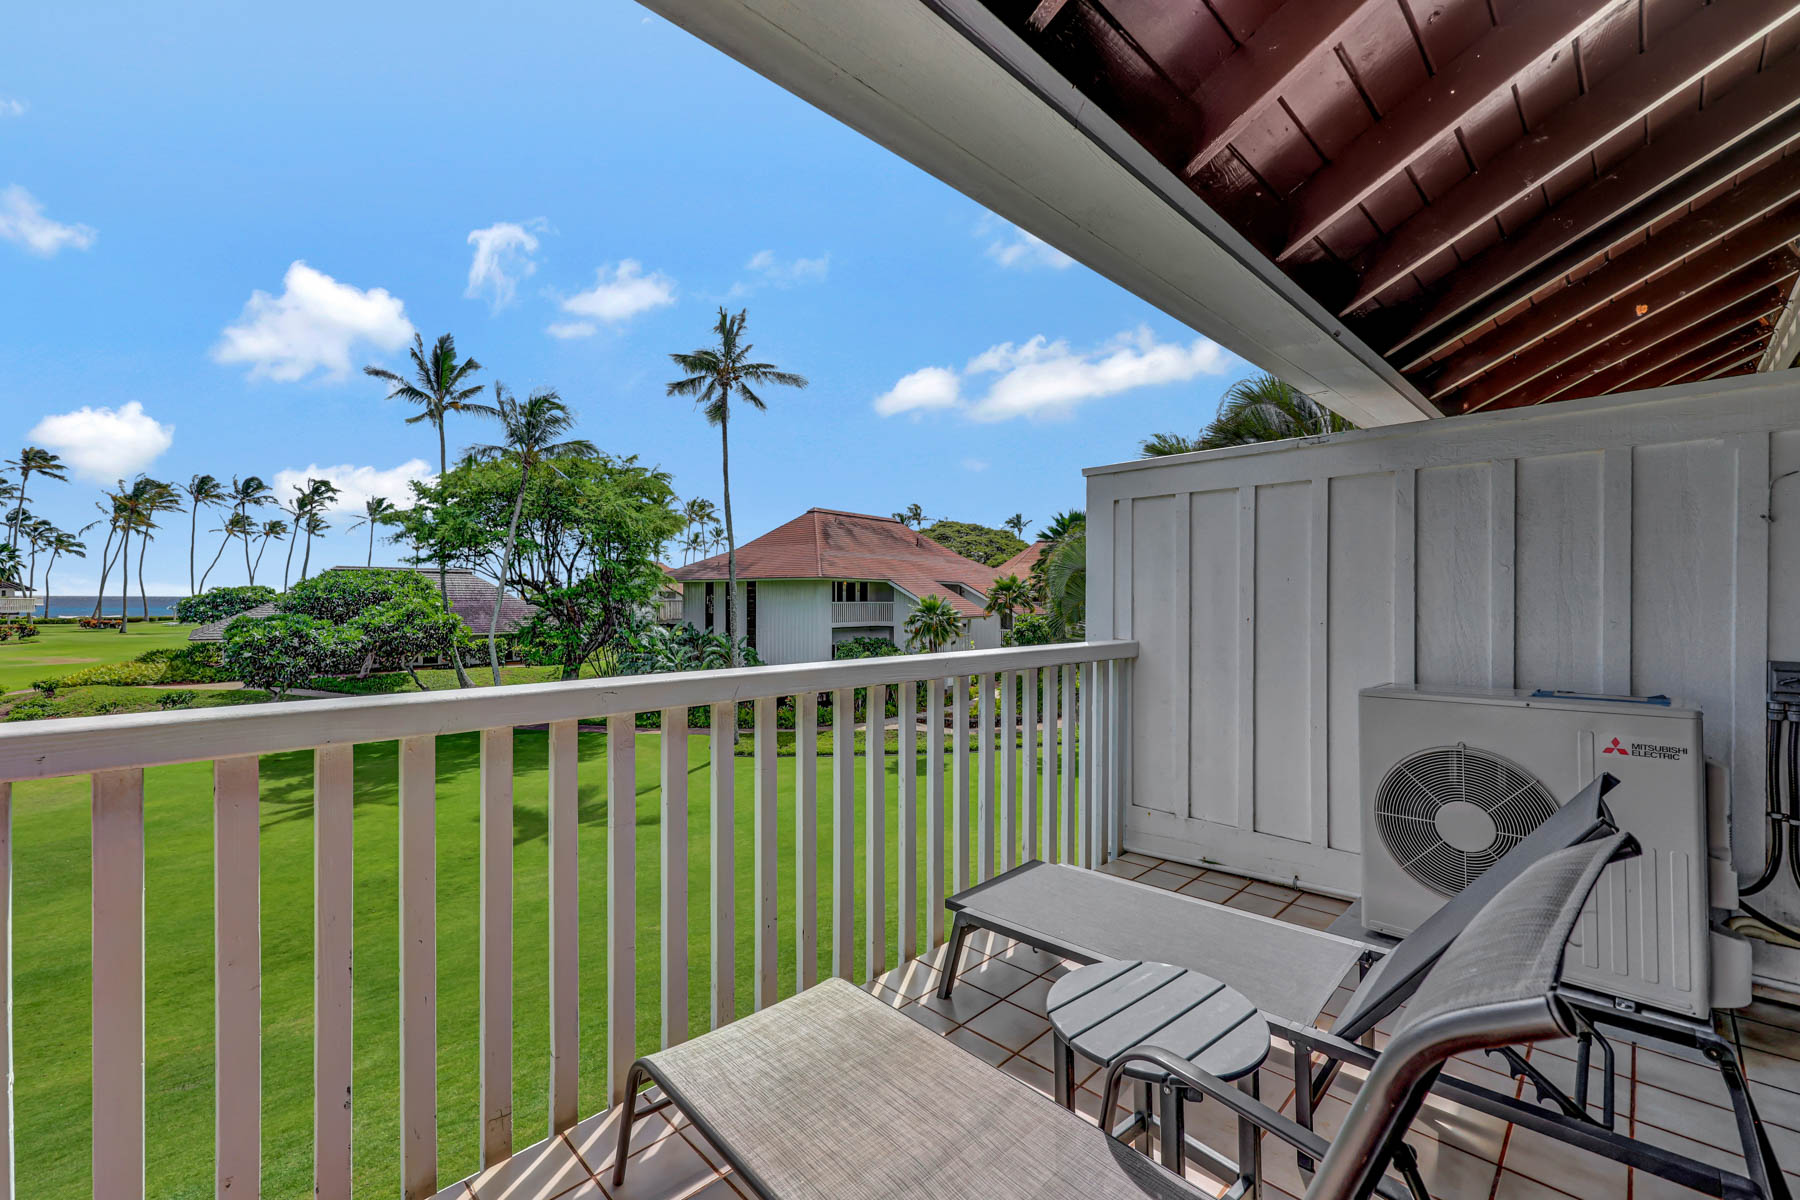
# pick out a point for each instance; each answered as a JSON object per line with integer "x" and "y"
{"x": 1452, "y": 779}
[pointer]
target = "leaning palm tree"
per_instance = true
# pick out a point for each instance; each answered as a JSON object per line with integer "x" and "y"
{"x": 245, "y": 494}
{"x": 532, "y": 433}
{"x": 439, "y": 386}
{"x": 203, "y": 491}
{"x": 60, "y": 545}
{"x": 306, "y": 508}
{"x": 1259, "y": 409}
{"x": 931, "y": 626}
{"x": 316, "y": 524}
{"x": 135, "y": 509}
{"x": 271, "y": 531}
{"x": 38, "y": 534}
{"x": 32, "y": 460}
{"x": 237, "y": 525}
{"x": 713, "y": 375}
{"x": 376, "y": 511}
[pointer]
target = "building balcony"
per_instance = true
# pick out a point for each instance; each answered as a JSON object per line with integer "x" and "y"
{"x": 862, "y": 612}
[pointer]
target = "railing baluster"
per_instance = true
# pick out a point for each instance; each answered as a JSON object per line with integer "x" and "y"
{"x": 1009, "y": 770}
{"x": 673, "y": 876}
{"x": 908, "y": 861}
{"x": 767, "y": 848}
{"x": 934, "y": 812}
{"x": 418, "y": 967}
{"x": 565, "y": 926}
{"x": 723, "y": 773}
{"x": 1118, "y": 724}
{"x": 959, "y": 795}
{"x": 334, "y": 777}
{"x": 1071, "y": 722}
{"x": 806, "y": 840}
{"x": 237, "y": 978}
{"x": 621, "y": 901}
{"x": 7, "y": 1182}
{"x": 984, "y": 749}
{"x": 843, "y": 832}
{"x": 875, "y": 834}
{"x": 496, "y": 944}
{"x": 118, "y": 983}
{"x": 1088, "y": 777}
{"x": 1052, "y": 747}
{"x": 1029, "y": 758}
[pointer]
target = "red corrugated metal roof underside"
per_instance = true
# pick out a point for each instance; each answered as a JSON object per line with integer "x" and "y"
{"x": 1513, "y": 201}
{"x": 823, "y": 543}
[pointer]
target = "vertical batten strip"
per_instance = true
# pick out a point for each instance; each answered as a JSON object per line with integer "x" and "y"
{"x": 1028, "y": 754}
{"x": 843, "y": 832}
{"x": 673, "y": 880}
{"x": 767, "y": 848}
{"x": 984, "y": 757}
{"x": 1503, "y": 511}
{"x": 1066, "y": 808}
{"x": 806, "y": 840}
{"x": 959, "y": 795}
{"x": 418, "y": 967}
{"x": 934, "y": 812}
{"x": 723, "y": 772}
{"x": 334, "y": 848}
{"x": 496, "y": 944}
{"x": 1009, "y": 770}
{"x": 907, "y": 861}
{"x": 565, "y": 926}
{"x": 118, "y": 983}
{"x": 875, "y": 834}
{"x": 237, "y": 979}
{"x": 621, "y": 901}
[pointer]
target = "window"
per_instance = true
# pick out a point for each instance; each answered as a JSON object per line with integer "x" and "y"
{"x": 709, "y": 608}
{"x": 848, "y": 591}
{"x": 750, "y": 614}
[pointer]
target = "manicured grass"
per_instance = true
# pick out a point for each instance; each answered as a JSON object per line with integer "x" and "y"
{"x": 101, "y": 700}
{"x": 59, "y": 649}
{"x": 51, "y": 954}
{"x": 388, "y": 682}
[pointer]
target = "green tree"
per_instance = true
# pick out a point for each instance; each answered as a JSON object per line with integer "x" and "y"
{"x": 220, "y": 603}
{"x": 237, "y": 525}
{"x": 932, "y": 625}
{"x": 1065, "y": 585}
{"x": 306, "y": 510}
{"x": 712, "y": 376}
{"x": 32, "y": 460}
{"x": 979, "y": 542}
{"x": 1262, "y": 408}
{"x": 376, "y": 511}
{"x": 439, "y": 386}
{"x": 287, "y": 650}
{"x": 532, "y": 435}
{"x": 1006, "y": 596}
{"x": 203, "y": 491}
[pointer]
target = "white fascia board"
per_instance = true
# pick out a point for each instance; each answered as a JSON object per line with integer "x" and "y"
{"x": 1784, "y": 342}
{"x": 946, "y": 86}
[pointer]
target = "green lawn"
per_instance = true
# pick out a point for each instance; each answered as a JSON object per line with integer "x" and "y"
{"x": 59, "y": 649}
{"x": 51, "y": 955}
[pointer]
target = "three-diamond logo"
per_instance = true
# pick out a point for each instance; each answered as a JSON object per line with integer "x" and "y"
{"x": 1616, "y": 748}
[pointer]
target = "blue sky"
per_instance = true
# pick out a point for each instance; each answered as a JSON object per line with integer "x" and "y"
{"x": 572, "y": 189}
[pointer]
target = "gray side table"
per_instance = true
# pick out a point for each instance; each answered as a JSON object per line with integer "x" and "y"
{"x": 1107, "y": 1008}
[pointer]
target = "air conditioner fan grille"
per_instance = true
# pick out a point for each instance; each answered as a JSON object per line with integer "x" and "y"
{"x": 1449, "y": 787}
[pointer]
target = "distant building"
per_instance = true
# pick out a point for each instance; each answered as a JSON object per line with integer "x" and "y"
{"x": 828, "y": 576}
{"x": 471, "y": 598}
{"x": 1022, "y": 563}
{"x": 16, "y": 599}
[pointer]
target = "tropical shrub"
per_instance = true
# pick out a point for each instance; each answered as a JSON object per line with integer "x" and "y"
{"x": 401, "y": 632}
{"x": 931, "y": 626}
{"x": 32, "y": 708}
{"x": 657, "y": 649}
{"x": 6, "y": 633}
{"x": 979, "y": 542}
{"x": 284, "y": 651}
{"x": 125, "y": 674}
{"x": 218, "y": 603}
{"x": 168, "y": 664}
{"x": 1032, "y": 629}
{"x": 865, "y": 647}
{"x": 343, "y": 596}
{"x": 26, "y": 631}
{"x": 176, "y": 699}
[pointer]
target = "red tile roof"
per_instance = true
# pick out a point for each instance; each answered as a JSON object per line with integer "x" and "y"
{"x": 823, "y": 543}
{"x": 1021, "y": 563}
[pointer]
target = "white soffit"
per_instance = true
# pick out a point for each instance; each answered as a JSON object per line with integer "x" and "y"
{"x": 1021, "y": 141}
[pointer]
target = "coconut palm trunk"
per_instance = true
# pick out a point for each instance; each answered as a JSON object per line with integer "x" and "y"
{"x": 288, "y": 567}
{"x": 730, "y": 542}
{"x": 512, "y": 533}
{"x": 193, "y": 544}
{"x": 18, "y": 512}
{"x": 125, "y": 577}
{"x": 143, "y": 597}
{"x": 105, "y": 570}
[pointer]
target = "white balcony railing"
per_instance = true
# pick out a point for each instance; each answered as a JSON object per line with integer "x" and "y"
{"x": 862, "y": 612}
{"x": 1055, "y": 797}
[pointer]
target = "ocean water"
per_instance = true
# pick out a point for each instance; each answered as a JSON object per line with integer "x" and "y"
{"x": 82, "y": 606}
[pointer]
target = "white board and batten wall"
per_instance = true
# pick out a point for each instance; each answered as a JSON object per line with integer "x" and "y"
{"x": 1645, "y": 543}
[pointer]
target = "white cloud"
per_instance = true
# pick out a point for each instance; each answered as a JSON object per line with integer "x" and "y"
{"x": 502, "y": 258}
{"x": 1045, "y": 379}
{"x": 22, "y": 222}
{"x": 312, "y": 326}
{"x": 11, "y": 108}
{"x": 926, "y": 389}
{"x": 975, "y": 464}
{"x": 783, "y": 273}
{"x": 1011, "y": 246}
{"x": 357, "y": 484}
{"x": 617, "y": 295}
{"x": 104, "y": 444}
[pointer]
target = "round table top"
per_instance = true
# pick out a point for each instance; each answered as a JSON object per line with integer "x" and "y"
{"x": 1105, "y": 1009}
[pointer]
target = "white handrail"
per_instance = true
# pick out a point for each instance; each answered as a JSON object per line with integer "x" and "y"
{"x": 82, "y": 745}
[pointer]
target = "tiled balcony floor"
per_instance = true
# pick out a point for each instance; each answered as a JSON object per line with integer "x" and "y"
{"x": 997, "y": 1014}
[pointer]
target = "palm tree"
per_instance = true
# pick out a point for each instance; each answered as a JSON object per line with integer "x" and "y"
{"x": 135, "y": 507}
{"x": 32, "y": 460}
{"x": 316, "y": 524}
{"x": 912, "y": 516}
{"x": 305, "y": 508}
{"x": 439, "y": 386}
{"x": 531, "y": 433}
{"x": 38, "y": 534}
{"x": 699, "y": 512}
{"x": 1065, "y": 584}
{"x": 693, "y": 546}
{"x": 715, "y": 538}
{"x": 1017, "y": 524}
{"x": 270, "y": 531}
{"x": 246, "y": 493}
{"x": 203, "y": 491}
{"x": 61, "y": 544}
{"x": 376, "y": 511}
{"x": 1259, "y": 409}
{"x": 712, "y": 375}
{"x": 931, "y": 626}
{"x": 1006, "y": 596}
{"x": 236, "y": 525}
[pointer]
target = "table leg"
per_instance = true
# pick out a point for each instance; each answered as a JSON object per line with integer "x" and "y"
{"x": 1146, "y": 1106}
{"x": 1174, "y": 1126}
{"x": 1250, "y": 1142}
{"x": 1063, "y": 1072}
